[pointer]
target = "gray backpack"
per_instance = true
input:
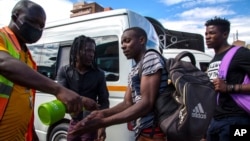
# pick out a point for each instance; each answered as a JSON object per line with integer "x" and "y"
{"x": 186, "y": 107}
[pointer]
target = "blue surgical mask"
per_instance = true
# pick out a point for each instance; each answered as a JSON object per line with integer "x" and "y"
{"x": 29, "y": 32}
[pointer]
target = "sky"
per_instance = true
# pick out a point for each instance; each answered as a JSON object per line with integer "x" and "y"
{"x": 180, "y": 15}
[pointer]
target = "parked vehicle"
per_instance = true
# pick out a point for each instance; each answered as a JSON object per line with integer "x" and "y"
{"x": 52, "y": 51}
{"x": 202, "y": 59}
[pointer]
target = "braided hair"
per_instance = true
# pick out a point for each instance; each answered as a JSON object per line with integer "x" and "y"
{"x": 78, "y": 45}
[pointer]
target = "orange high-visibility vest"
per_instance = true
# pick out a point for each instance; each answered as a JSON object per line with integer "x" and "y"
{"x": 6, "y": 86}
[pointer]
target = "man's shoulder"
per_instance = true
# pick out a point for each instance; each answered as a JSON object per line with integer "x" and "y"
{"x": 65, "y": 69}
{"x": 243, "y": 52}
{"x": 152, "y": 52}
{"x": 2, "y": 41}
{"x": 154, "y": 56}
{"x": 244, "y": 49}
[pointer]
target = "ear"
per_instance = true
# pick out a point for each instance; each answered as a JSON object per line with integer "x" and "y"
{"x": 142, "y": 40}
{"x": 225, "y": 35}
{"x": 14, "y": 17}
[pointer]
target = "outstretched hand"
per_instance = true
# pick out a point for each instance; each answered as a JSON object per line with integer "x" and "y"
{"x": 90, "y": 123}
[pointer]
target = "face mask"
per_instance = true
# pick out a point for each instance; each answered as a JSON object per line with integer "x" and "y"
{"x": 29, "y": 32}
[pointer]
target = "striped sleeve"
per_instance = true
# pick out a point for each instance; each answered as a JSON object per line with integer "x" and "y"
{"x": 152, "y": 62}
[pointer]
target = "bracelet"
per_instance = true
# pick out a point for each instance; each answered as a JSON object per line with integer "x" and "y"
{"x": 233, "y": 88}
{"x": 230, "y": 89}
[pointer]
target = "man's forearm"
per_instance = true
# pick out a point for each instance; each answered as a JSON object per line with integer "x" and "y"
{"x": 21, "y": 74}
{"x": 116, "y": 109}
{"x": 130, "y": 113}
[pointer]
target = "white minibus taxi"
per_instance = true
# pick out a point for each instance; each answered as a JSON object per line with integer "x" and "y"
{"x": 202, "y": 58}
{"x": 52, "y": 51}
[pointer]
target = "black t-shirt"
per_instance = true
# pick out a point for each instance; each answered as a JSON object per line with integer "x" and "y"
{"x": 238, "y": 68}
{"x": 91, "y": 84}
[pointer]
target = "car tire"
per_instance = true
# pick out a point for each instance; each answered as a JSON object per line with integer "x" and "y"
{"x": 59, "y": 132}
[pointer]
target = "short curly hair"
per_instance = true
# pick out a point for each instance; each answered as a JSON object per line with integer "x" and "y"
{"x": 139, "y": 32}
{"x": 222, "y": 23}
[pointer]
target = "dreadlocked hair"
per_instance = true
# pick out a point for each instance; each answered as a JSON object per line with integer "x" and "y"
{"x": 78, "y": 44}
{"x": 222, "y": 23}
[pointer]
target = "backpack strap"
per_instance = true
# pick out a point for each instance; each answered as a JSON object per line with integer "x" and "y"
{"x": 140, "y": 65}
{"x": 241, "y": 99}
{"x": 186, "y": 54}
{"x": 226, "y": 60}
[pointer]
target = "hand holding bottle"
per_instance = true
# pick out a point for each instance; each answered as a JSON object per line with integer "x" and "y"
{"x": 89, "y": 104}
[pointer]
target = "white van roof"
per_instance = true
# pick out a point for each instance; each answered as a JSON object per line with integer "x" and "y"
{"x": 89, "y": 17}
{"x": 123, "y": 18}
{"x": 171, "y": 53}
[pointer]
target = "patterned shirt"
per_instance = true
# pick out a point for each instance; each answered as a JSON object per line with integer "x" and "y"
{"x": 151, "y": 63}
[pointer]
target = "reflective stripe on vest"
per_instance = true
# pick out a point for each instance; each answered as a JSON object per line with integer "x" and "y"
{"x": 5, "y": 90}
{"x": 6, "y": 86}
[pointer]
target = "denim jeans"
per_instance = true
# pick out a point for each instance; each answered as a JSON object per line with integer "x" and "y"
{"x": 219, "y": 130}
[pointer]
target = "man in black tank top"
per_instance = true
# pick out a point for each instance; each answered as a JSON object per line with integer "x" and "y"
{"x": 227, "y": 112}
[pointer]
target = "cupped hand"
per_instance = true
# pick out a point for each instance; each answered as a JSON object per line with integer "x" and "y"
{"x": 90, "y": 123}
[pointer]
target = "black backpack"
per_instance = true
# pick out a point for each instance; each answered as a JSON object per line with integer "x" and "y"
{"x": 186, "y": 107}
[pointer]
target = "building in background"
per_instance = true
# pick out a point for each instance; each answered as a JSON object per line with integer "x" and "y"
{"x": 238, "y": 42}
{"x": 83, "y": 8}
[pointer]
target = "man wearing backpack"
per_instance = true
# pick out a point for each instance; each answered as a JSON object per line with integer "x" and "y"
{"x": 141, "y": 92}
{"x": 227, "y": 112}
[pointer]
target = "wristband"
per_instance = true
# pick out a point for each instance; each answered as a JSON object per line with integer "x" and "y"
{"x": 232, "y": 88}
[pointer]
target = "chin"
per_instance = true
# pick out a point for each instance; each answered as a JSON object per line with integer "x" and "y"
{"x": 128, "y": 57}
{"x": 209, "y": 46}
{"x": 88, "y": 65}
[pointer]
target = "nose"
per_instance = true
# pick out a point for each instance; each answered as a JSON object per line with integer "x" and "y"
{"x": 123, "y": 47}
{"x": 92, "y": 55}
{"x": 207, "y": 36}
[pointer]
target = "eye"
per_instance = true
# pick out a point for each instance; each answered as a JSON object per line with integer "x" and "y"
{"x": 127, "y": 40}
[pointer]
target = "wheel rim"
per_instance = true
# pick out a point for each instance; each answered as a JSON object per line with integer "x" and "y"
{"x": 60, "y": 136}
